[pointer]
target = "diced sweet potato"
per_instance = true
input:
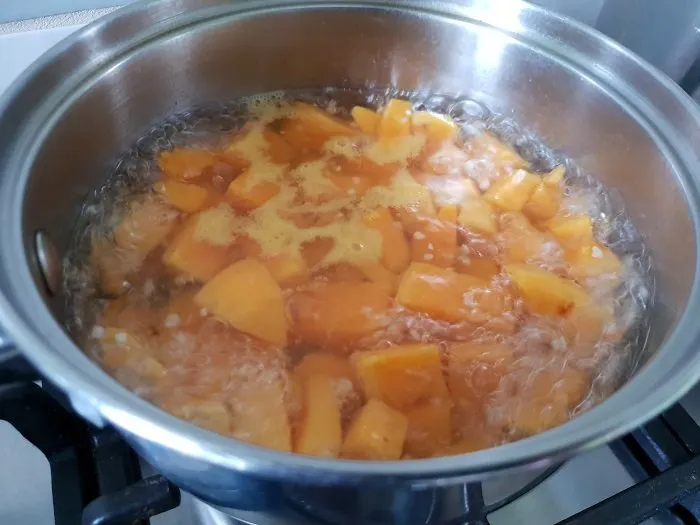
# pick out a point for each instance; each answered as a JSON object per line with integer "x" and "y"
{"x": 437, "y": 127}
{"x": 429, "y": 429}
{"x": 436, "y": 240}
{"x": 339, "y": 313}
{"x": 329, "y": 365}
{"x": 186, "y": 164}
{"x": 245, "y": 198}
{"x": 146, "y": 225}
{"x": 503, "y": 156}
{"x": 475, "y": 370}
{"x": 194, "y": 255}
{"x": 379, "y": 274}
{"x": 547, "y": 399}
{"x": 593, "y": 260}
{"x": 585, "y": 325}
{"x": 555, "y": 177}
{"x": 402, "y": 375}
{"x": 543, "y": 203}
{"x": 510, "y": 193}
{"x": 446, "y": 295}
{"x": 320, "y": 432}
{"x": 572, "y": 231}
{"x": 396, "y": 119}
{"x": 320, "y": 122}
{"x": 545, "y": 293}
{"x": 395, "y": 249}
{"x": 482, "y": 267}
{"x": 185, "y": 197}
{"x": 247, "y": 297}
{"x": 260, "y": 415}
{"x": 377, "y": 433}
{"x": 286, "y": 269}
{"x": 366, "y": 119}
{"x": 520, "y": 241}
{"x": 475, "y": 214}
{"x": 122, "y": 349}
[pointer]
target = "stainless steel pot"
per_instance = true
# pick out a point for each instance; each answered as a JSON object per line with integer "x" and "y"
{"x": 66, "y": 118}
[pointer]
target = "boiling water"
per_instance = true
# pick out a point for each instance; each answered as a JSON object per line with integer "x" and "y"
{"x": 209, "y": 125}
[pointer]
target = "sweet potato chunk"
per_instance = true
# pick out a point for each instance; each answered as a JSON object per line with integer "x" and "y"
{"x": 444, "y": 294}
{"x": 186, "y": 164}
{"x": 146, "y": 225}
{"x": 436, "y": 240}
{"x": 377, "y": 433}
{"x": 572, "y": 231}
{"x": 593, "y": 260}
{"x": 437, "y": 127}
{"x": 122, "y": 349}
{"x": 314, "y": 251}
{"x": 476, "y": 215}
{"x": 482, "y": 267}
{"x": 544, "y": 203}
{"x": 320, "y": 122}
{"x": 395, "y": 249}
{"x": 287, "y": 270}
{"x": 185, "y": 197}
{"x": 512, "y": 192}
{"x": 260, "y": 416}
{"x": 429, "y": 429}
{"x": 585, "y": 325}
{"x": 545, "y": 293}
{"x": 401, "y": 376}
{"x": 339, "y": 313}
{"x": 328, "y": 365}
{"x": 320, "y": 431}
{"x": 396, "y": 119}
{"x": 475, "y": 370}
{"x": 247, "y": 297}
{"x": 192, "y": 251}
{"x": 246, "y": 198}
{"x": 521, "y": 242}
{"x": 366, "y": 119}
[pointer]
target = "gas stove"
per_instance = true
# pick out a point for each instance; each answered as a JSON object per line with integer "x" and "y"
{"x": 62, "y": 471}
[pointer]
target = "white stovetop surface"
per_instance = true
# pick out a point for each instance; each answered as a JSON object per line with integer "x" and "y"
{"x": 25, "y": 490}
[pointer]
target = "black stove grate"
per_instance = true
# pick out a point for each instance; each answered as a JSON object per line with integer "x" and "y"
{"x": 97, "y": 480}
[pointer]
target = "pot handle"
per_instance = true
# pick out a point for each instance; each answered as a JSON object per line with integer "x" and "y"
{"x": 13, "y": 365}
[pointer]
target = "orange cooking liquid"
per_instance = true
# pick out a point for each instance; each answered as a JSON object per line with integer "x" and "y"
{"x": 376, "y": 286}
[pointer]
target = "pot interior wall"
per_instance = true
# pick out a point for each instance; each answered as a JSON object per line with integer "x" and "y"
{"x": 580, "y": 110}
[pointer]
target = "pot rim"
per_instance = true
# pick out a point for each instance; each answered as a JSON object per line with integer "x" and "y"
{"x": 95, "y": 394}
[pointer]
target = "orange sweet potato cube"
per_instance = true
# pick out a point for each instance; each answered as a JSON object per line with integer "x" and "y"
{"x": 396, "y": 119}
{"x": 185, "y": 197}
{"x": 244, "y": 197}
{"x": 395, "y": 249}
{"x": 520, "y": 240}
{"x": 247, "y": 297}
{"x": 260, "y": 416}
{"x": 429, "y": 429}
{"x": 186, "y": 164}
{"x": 475, "y": 214}
{"x": 573, "y": 231}
{"x": 512, "y": 192}
{"x": 437, "y": 127}
{"x": 366, "y": 119}
{"x": 379, "y": 274}
{"x": 544, "y": 203}
{"x": 314, "y": 251}
{"x": 320, "y": 122}
{"x": 201, "y": 249}
{"x": 504, "y": 157}
{"x": 320, "y": 432}
{"x": 482, "y": 267}
{"x": 545, "y": 293}
{"x": 145, "y": 225}
{"x": 287, "y": 270}
{"x": 401, "y": 376}
{"x": 593, "y": 260}
{"x": 450, "y": 296}
{"x": 585, "y": 325}
{"x": 378, "y": 432}
{"x": 436, "y": 240}
{"x": 123, "y": 349}
{"x": 339, "y": 313}
{"x": 328, "y": 365}
{"x": 475, "y": 370}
